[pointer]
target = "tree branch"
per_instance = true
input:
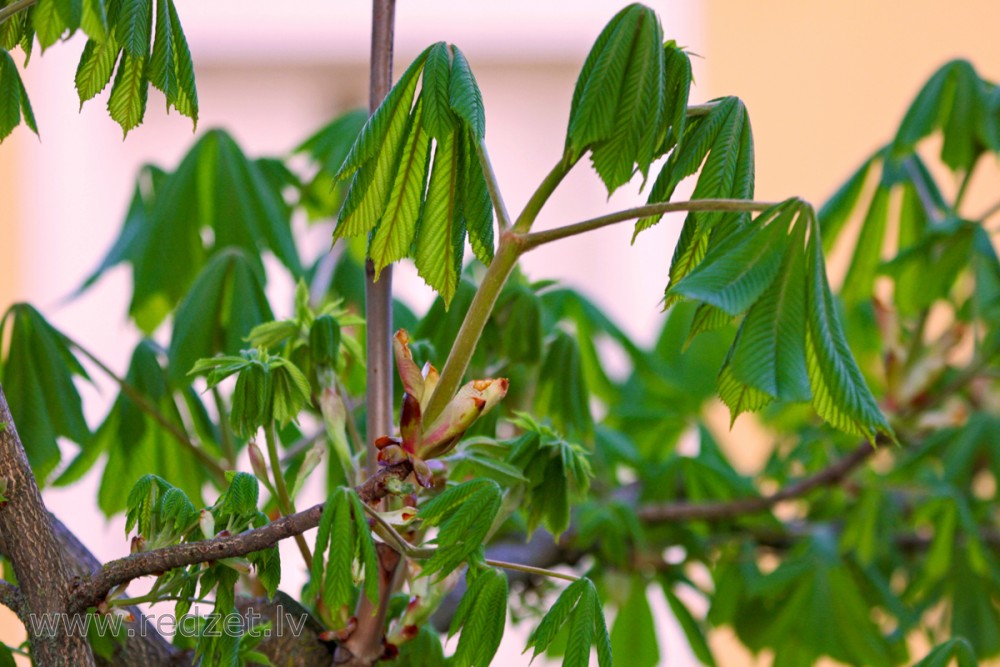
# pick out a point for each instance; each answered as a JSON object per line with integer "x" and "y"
{"x": 10, "y": 597}
{"x": 536, "y": 239}
{"x": 14, "y": 8}
{"x": 29, "y": 542}
{"x": 716, "y": 511}
{"x": 89, "y": 591}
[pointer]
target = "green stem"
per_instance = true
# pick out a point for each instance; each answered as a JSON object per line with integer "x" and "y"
{"x": 486, "y": 296}
{"x": 285, "y": 503}
{"x": 503, "y": 217}
{"x": 14, "y": 8}
{"x": 532, "y": 570}
{"x": 143, "y": 403}
{"x": 542, "y": 194}
{"x": 536, "y": 239}
{"x": 472, "y": 326}
{"x": 962, "y": 189}
{"x": 228, "y": 445}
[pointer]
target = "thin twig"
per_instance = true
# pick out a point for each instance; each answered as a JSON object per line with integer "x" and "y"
{"x": 14, "y": 8}
{"x": 285, "y": 502}
{"x": 530, "y": 241}
{"x": 532, "y": 570}
{"x": 716, "y": 511}
{"x": 143, "y": 403}
{"x": 90, "y": 591}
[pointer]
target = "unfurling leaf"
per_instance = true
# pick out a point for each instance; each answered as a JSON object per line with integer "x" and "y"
{"x": 482, "y": 616}
{"x": 37, "y": 377}
{"x": 580, "y": 606}
{"x": 411, "y": 203}
{"x": 14, "y": 104}
{"x": 631, "y": 96}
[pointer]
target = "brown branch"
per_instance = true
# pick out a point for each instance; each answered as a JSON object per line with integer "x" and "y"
{"x": 14, "y": 8}
{"x": 144, "y": 646}
{"x": 27, "y": 538}
{"x": 90, "y": 591}
{"x": 10, "y": 597}
{"x": 716, "y": 511}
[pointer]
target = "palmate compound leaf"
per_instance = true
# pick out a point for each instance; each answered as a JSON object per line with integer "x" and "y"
{"x": 725, "y": 137}
{"x": 557, "y": 470}
{"x": 14, "y": 104}
{"x": 773, "y": 271}
{"x": 216, "y": 199}
{"x": 956, "y": 100}
{"x": 37, "y": 376}
{"x": 136, "y": 443}
{"x": 580, "y": 606}
{"x": 482, "y": 616}
{"x": 630, "y": 99}
{"x": 411, "y": 203}
{"x": 125, "y": 36}
{"x": 464, "y": 515}
{"x": 225, "y": 302}
{"x": 343, "y": 538}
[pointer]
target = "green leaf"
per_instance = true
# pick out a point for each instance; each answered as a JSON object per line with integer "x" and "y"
{"x": 633, "y": 635}
{"x": 558, "y": 472}
{"x": 477, "y": 207}
{"x": 127, "y": 103}
{"x": 136, "y": 443}
{"x": 170, "y": 69}
{"x": 441, "y": 237}
{"x": 135, "y": 19}
{"x": 482, "y": 616}
{"x": 837, "y": 210}
{"x": 94, "y": 20}
{"x": 53, "y": 18}
{"x": 693, "y": 630}
{"x": 954, "y": 100}
{"x": 562, "y": 392}
{"x": 6, "y": 656}
{"x": 634, "y": 138}
{"x": 840, "y": 394}
{"x": 224, "y": 304}
{"x": 543, "y": 635}
{"x": 867, "y": 256}
{"x": 37, "y": 377}
{"x": 216, "y": 198}
{"x": 375, "y": 155}
{"x": 769, "y": 350}
{"x": 580, "y": 606}
{"x": 96, "y": 66}
{"x": 185, "y": 97}
{"x": 957, "y": 649}
{"x": 342, "y": 538}
{"x": 438, "y": 119}
{"x": 618, "y": 103}
{"x": 464, "y": 96}
{"x": 725, "y": 137}
{"x": 14, "y": 104}
{"x": 464, "y": 514}
{"x": 741, "y": 266}
{"x": 394, "y": 235}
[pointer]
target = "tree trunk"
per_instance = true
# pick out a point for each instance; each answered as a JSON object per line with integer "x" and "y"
{"x": 28, "y": 540}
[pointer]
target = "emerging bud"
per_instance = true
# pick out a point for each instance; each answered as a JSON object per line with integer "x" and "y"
{"x": 472, "y": 400}
{"x": 257, "y": 462}
{"x": 409, "y": 372}
{"x": 207, "y": 522}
